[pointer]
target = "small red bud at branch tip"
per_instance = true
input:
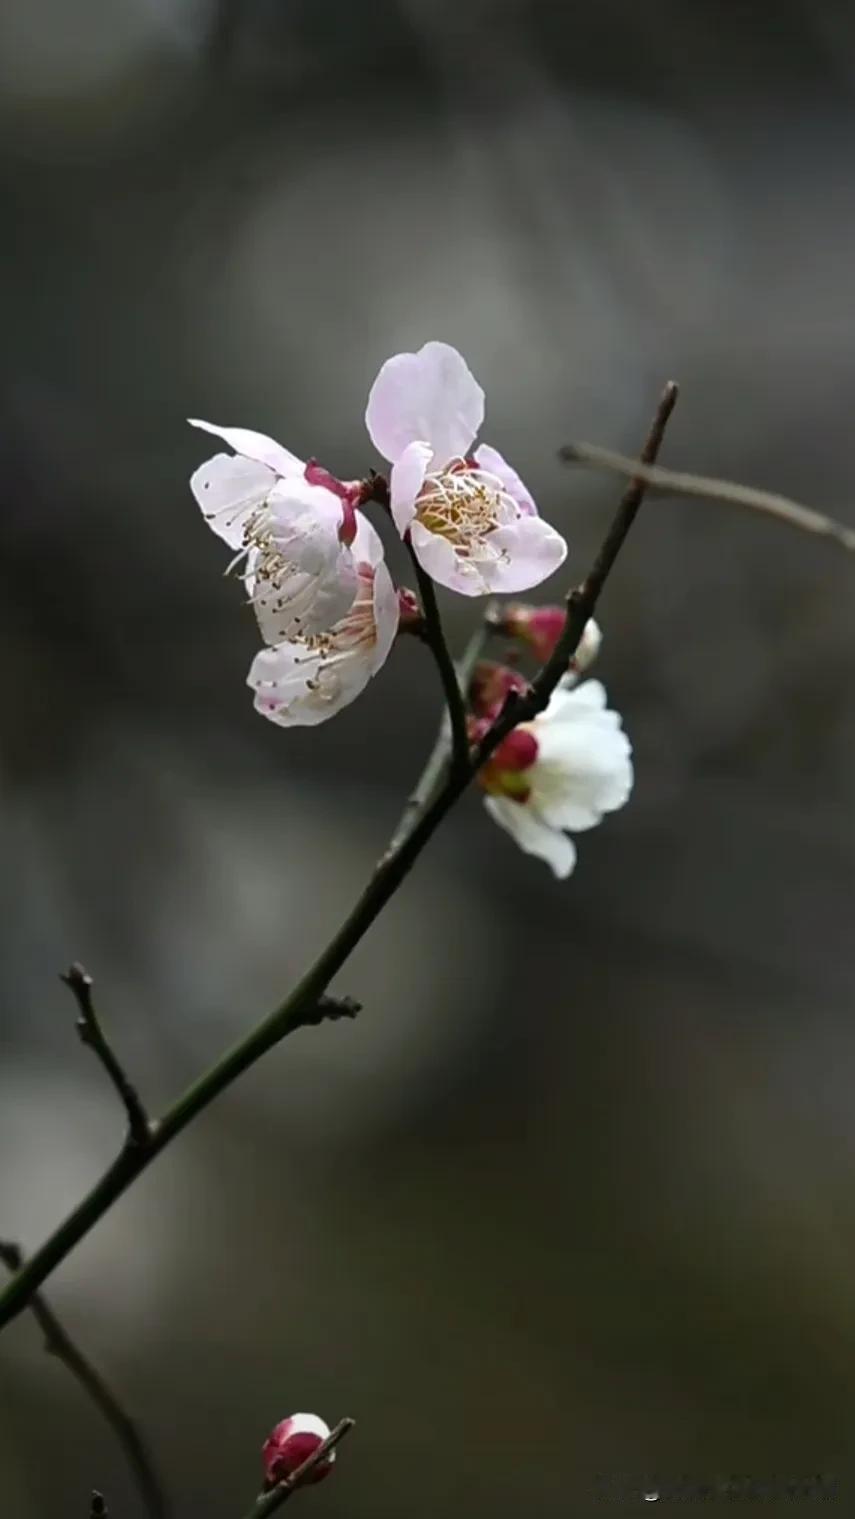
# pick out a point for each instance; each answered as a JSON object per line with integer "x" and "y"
{"x": 291, "y": 1443}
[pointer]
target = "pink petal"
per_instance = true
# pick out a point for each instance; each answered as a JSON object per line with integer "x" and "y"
{"x": 444, "y": 565}
{"x": 534, "y": 551}
{"x": 491, "y": 460}
{"x": 255, "y": 445}
{"x": 425, "y": 397}
{"x": 407, "y": 479}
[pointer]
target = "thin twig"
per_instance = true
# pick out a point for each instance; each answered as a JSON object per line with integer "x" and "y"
{"x": 58, "y": 1342}
{"x": 582, "y": 601}
{"x": 268, "y": 1503}
{"x": 79, "y": 982}
{"x": 445, "y": 664}
{"x": 381, "y": 887}
{"x": 708, "y": 488}
{"x": 437, "y": 760}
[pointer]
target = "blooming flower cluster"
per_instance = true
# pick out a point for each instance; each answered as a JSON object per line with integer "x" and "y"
{"x": 314, "y": 572}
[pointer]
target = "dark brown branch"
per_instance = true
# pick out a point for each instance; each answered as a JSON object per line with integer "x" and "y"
{"x": 435, "y": 637}
{"x": 269, "y": 1502}
{"x": 582, "y": 601}
{"x": 88, "y": 1025}
{"x": 58, "y": 1342}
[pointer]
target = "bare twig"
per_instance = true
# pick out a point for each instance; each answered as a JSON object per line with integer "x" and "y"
{"x": 269, "y": 1502}
{"x": 79, "y": 981}
{"x": 437, "y": 760}
{"x": 435, "y": 637}
{"x": 58, "y": 1342}
{"x": 395, "y": 865}
{"x": 582, "y": 601}
{"x": 708, "y": 488}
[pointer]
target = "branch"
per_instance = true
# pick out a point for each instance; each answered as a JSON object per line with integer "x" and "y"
{"x": 676, "y": 483}
{"x": 91, "y": 1033}
{"x": 445, "y": 664}
{"x": 268, "y": 1503}
{"x": 438, "y": 758}
{"x": 394, "y": 866}
{"x": 58, "y": 1343}
{"x": 97, "y": 1506}
{"x": 582, "y": 601}
{"x": 329, "y": 1010}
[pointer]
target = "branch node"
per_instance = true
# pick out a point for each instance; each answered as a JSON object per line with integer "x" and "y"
{"x": 329, "y": 1009}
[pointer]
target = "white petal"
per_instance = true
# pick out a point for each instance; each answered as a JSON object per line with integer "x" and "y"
{"x": 496, "y": 464}
{"x": 444, "y": 565}
{"x": 533, "y": 835}
{"x": 255, "y": 445}
{"x": 426, "y": 397}
{"x": 297, "y": 689}
{"x": 530, "y": 551}
{"x": 405, "y": 482}
{"x": 228, "y": 489}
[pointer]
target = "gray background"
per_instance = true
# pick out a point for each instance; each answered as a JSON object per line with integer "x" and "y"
{"x": 577, "y": 1192}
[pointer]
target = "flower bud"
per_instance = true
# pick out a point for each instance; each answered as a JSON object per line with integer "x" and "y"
{"x": 588, "y": 647}
{"x": 290, "y": 1444}
{"x": 490, "y": 686}
{"x": 541, "y": 627}
{"x": 410, "y": 619}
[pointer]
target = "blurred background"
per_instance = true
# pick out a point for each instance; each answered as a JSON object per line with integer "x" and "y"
{"x": 576, "y": 1193}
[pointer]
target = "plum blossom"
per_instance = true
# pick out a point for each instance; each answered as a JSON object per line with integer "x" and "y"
{"x": 291, "y": 1443}
{"x": 471, "y": 522}
{"x": 309, "y": 677}
{"x": 292, "y": 526}
{"x": 559, "y": 773}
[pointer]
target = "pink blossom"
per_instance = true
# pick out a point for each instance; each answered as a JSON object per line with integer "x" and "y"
{"x": 307, "y": 678}
{"x": 471, "y": 522}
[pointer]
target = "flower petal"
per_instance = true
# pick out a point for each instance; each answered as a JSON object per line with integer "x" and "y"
{"x": 425, "y": 397}
{"x": 255, "y": 445}
{"x": 405, "y": 482}
{"x": 228, "y": 489}
{"x": 530, "y": 551}
{"x": 533, "y": 835}
{"x": 444, "y": 565}
{"x": 495, "y": 464}
{"x": 292, "y": 689}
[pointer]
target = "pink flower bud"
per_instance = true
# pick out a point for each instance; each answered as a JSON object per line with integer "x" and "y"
{"x": 290, "y": 1444}
{"x": 410, "y": 619}
{"x": 491, "y": 684}
{"x": 541, "y": 627}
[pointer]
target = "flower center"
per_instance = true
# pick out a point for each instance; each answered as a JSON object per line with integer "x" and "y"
{"x": 463, "y": 503}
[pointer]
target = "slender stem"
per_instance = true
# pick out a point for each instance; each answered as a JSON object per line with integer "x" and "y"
{"x": 59, "y": 1343}
{"x": 268, "y": 1503}
{"x": 678, "y": 483}
{"x": 393, "y": 867}
{"x": 91, "y": 1032}
{"x": 437, "y": 760}
{"x": 445, "y": 664}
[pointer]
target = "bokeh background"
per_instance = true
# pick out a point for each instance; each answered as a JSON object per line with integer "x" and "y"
{"x": 576, "y": 1194}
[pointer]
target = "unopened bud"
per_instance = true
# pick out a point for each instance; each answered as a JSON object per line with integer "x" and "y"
{"x": 490, "y": 687}
{"x": 290, "y": 1444}
{"x": 541, "y": 627}
{"x": 410, "y": 619}
{"x": 588, "y": 647}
